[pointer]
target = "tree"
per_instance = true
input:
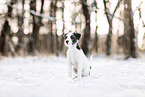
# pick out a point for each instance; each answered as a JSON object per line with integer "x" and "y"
{"x": 20, "y": 32}
{"x": 35, "y": 38}
{"x": 95, "y": 43}
{"x": 51, "y": 26}
{"x": 4, "y": 38}
{"x": 110, "y": 21}
{"x": 6, "y": 31}
{"x": 86, "y": 34}
{"x": 56, "y": 36}
{"x": 130, "y": 47}
{"x": 62, "y": 38}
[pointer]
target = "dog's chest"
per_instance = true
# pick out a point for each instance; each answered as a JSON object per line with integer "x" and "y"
{"x": 72, "y": 55}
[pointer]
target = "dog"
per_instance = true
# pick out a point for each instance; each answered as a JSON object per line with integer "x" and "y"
{"x": 78, "y": 63}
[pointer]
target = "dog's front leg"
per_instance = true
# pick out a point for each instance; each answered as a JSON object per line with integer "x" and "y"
{"x": 79, "y": 73}
{"x": 69, "y": 69}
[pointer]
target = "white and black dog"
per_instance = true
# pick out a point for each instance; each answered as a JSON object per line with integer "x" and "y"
{"x": 77, "y": 61}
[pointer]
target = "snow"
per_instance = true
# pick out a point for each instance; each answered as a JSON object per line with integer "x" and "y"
{"x": 47, "y": 77}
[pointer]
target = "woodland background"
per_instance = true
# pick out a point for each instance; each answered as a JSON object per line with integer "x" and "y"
{"x": 31, "y": 27}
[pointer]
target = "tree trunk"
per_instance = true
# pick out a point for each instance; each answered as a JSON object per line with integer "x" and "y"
{"x": 20, "y": 33}
{"x": 32, "y": 43}
{"x": 96, "y": 39}
{"x": 56, "y": 36}
{"x": 40, "y": 23}
{"x": 35, "y": 38}
{"x": 86, "y": 35}
{"x": 96, "y": 33}
{"x": 6, "y": 31}
{"x": 130, "y": 47}
{"x": 110, "y": 20}
{"x": 4, "y": 38}
{"x": 51, "y": 27}
{"x": 62, "y": 38}
{"x": 109, "y": 40}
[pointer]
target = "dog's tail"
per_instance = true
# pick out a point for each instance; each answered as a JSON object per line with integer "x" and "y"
{"x": 91, "y": 57}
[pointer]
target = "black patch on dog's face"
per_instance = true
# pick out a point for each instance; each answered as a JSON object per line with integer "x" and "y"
{"x": 78, "y": 47}
{"x": 74, "y": 39}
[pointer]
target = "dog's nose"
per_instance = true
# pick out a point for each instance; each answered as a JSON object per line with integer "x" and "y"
{"x": 67, "y": 41}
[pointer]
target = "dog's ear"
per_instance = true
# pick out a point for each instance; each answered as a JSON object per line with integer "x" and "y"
{"x": 77, "y": 35}
{"x": 65, "y": 35}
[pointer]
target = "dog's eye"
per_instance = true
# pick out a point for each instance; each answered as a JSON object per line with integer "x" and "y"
{"x": 72, "y": 37}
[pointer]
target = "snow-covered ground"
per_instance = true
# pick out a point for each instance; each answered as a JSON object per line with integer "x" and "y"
{"x": 47, "y": 77}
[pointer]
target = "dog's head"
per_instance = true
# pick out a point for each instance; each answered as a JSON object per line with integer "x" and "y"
{"x": 71, "y": 38}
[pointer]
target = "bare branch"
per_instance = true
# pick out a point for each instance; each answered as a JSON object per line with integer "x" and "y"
{"x": 40, "y": 14}
{"x": 107, "y": 12}
{"x": 124, "y": 22}
{"x": 116, "y": 7}
{"x": 138, "y": 7}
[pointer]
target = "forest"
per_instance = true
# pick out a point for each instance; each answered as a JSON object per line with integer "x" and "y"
{"x": 31, "y": 27}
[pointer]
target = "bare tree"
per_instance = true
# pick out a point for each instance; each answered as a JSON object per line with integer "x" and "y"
{"x": 35, "y": 38}
{"x": 62, "y": 38}
{"x": 56, "y": 36}
{"x": 95, "y": 43}
{"x": 6, "y": 32}
{"x": 4, "y": 38}
{"x": 110, "y": 17}
{"x": 86, "y": 35}
{"x": 130, "y": 47}
{"x": 20, "y": 32}
{"x": 51, "y": 26}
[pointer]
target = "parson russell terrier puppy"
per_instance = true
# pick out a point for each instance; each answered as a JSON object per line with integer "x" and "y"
{"x": 77, "y": 61}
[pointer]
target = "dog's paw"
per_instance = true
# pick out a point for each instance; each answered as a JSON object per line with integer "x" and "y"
{"x": 78, "y": 79}
{"x": 74, "y": 77}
